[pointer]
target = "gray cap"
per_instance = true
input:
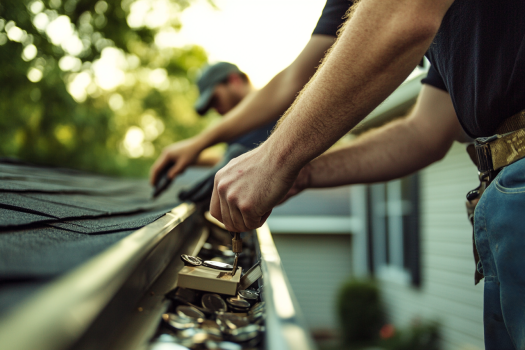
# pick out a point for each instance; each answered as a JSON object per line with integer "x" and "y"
{"x": 211, "y": 76}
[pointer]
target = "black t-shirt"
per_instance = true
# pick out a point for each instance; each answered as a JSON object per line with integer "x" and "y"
{"x": 256, "y": 137}
{"x": 433, "y": 78}
{"x": 478, "y": 56}
{"x": 479, "y": 53}
{"x": 332, "y": 17}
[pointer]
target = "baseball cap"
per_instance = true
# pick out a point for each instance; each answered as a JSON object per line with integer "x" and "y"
{"x": 211, "y": 76}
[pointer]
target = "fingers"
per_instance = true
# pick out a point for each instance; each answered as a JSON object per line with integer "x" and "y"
{"x": 215, "y": 204}
{"x": 181, "y": 154}
{"x": 226, "y": 213}
{"x": 178, "y": 168}
{"x": 237, "y": 219}
{"x": 225, "y": 208}
{"x": 242, "y": 196}
{"x": 159, "y": 164}
{"x": 164, "y": 160}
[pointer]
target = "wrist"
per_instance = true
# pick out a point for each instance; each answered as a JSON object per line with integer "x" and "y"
{"x": 202, "y": 141}
{"x": 278, "y": 160}
{"x": 287, "y": 153}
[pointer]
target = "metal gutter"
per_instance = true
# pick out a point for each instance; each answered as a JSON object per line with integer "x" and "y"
{"x": 58, "y": 315}
{"x": 285, "y": 328}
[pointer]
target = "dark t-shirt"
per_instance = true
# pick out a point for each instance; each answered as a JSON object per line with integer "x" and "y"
{"x": 332, "y": 17}
{"x": 256, "y": 137}
{"x": 479, "y": 53}
{"x": 331, "y": 20}
{"x": 478, "y": 56}
{"x": 433, "y": 78}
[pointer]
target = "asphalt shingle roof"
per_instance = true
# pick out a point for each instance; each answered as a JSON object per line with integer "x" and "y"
{"x": 53, "y": 219}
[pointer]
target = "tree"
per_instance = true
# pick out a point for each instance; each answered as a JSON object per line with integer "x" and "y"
{"x": 95, "y": 85}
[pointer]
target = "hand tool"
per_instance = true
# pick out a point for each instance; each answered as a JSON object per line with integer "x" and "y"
{"x": 163, "y": 180}
{"x": 237, "y": 249}
{"x": 196, "y": 261}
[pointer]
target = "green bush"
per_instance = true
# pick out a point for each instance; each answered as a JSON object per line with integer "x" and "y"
{"x": 419, "y": 336}
{"x": 361, "y": 311}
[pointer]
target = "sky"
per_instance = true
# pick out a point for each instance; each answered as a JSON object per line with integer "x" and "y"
{"x": 261, "y": 37}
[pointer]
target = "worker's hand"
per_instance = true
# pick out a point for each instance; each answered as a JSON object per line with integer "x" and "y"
{"x": 246, "y": 190}
{"x": 182, "y": 154}
{"x": 301, "y": 183}
{"x": 202, "y": 190}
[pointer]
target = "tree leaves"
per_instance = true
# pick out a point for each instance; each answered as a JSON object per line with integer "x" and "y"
{"x": 98, "y": 94}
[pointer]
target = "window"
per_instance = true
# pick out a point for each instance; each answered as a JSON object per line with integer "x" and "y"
{"x": 393, "y": 230}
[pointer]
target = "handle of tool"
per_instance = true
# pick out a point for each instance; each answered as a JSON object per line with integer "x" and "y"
{"x": 237, "y": 243}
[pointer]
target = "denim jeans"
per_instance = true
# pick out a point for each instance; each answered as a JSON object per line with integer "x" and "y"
{"x": 500, "y": 240}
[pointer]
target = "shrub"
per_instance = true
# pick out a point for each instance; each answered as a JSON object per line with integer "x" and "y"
{"x": 419, "y": 336}
{"x": 361, "y": 311}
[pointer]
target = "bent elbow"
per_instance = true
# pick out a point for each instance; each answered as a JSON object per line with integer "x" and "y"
{"x": 415, "y": 26}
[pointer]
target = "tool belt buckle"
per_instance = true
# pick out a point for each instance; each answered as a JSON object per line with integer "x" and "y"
{"x": 486, "y": 170}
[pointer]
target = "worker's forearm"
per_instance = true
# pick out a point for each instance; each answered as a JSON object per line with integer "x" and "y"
{"x": 269, "y": 103}
{"x": 392, "y": 151}
{"x": 379, "y": 47}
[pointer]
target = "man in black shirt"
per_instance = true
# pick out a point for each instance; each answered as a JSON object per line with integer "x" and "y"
{"x": 476, "y": 47}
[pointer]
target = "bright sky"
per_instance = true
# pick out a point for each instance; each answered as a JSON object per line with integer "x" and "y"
{"x": 261, "y": 37}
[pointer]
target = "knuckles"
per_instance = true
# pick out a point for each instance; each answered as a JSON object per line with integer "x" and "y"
{"x": 222, "y": 188}
{"x": 245, "y": 208}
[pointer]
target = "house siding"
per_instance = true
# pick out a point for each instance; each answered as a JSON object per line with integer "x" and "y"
{"x": 316, "y": 265}
{"x": 447, "y": 292}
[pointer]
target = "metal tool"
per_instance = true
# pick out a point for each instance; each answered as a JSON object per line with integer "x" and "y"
{"x": 163, "y": 180}
{"x": 196, "y": 261}
{"x": 236, "y": 248}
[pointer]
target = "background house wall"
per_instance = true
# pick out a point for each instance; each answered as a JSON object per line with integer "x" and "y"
{"x": 447, "y": 292}
{"x": 316, "y": 265}
{"x": 312, "y": 233}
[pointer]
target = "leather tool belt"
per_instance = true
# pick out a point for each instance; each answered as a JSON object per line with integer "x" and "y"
{"x": 504, "y": 148}
{"x": 497, "y": 151}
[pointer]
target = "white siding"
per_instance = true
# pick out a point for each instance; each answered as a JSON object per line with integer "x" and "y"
{"x": 447, "y": 293}
{"x": 316, "y": 265}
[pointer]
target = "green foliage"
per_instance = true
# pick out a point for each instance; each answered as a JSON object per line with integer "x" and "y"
{"x": 361, "y": 311}
{"x": 86, "y": 84}
{"x": 419, "y": 336}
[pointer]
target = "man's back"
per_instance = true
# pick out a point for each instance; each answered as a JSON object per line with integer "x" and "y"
{"x": 479, "y": 52}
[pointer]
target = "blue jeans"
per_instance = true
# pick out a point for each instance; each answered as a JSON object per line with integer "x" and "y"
{"x": 500, "y": 240}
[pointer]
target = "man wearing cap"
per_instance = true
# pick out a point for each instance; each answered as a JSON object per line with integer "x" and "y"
{"x": 222, "y": 86}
